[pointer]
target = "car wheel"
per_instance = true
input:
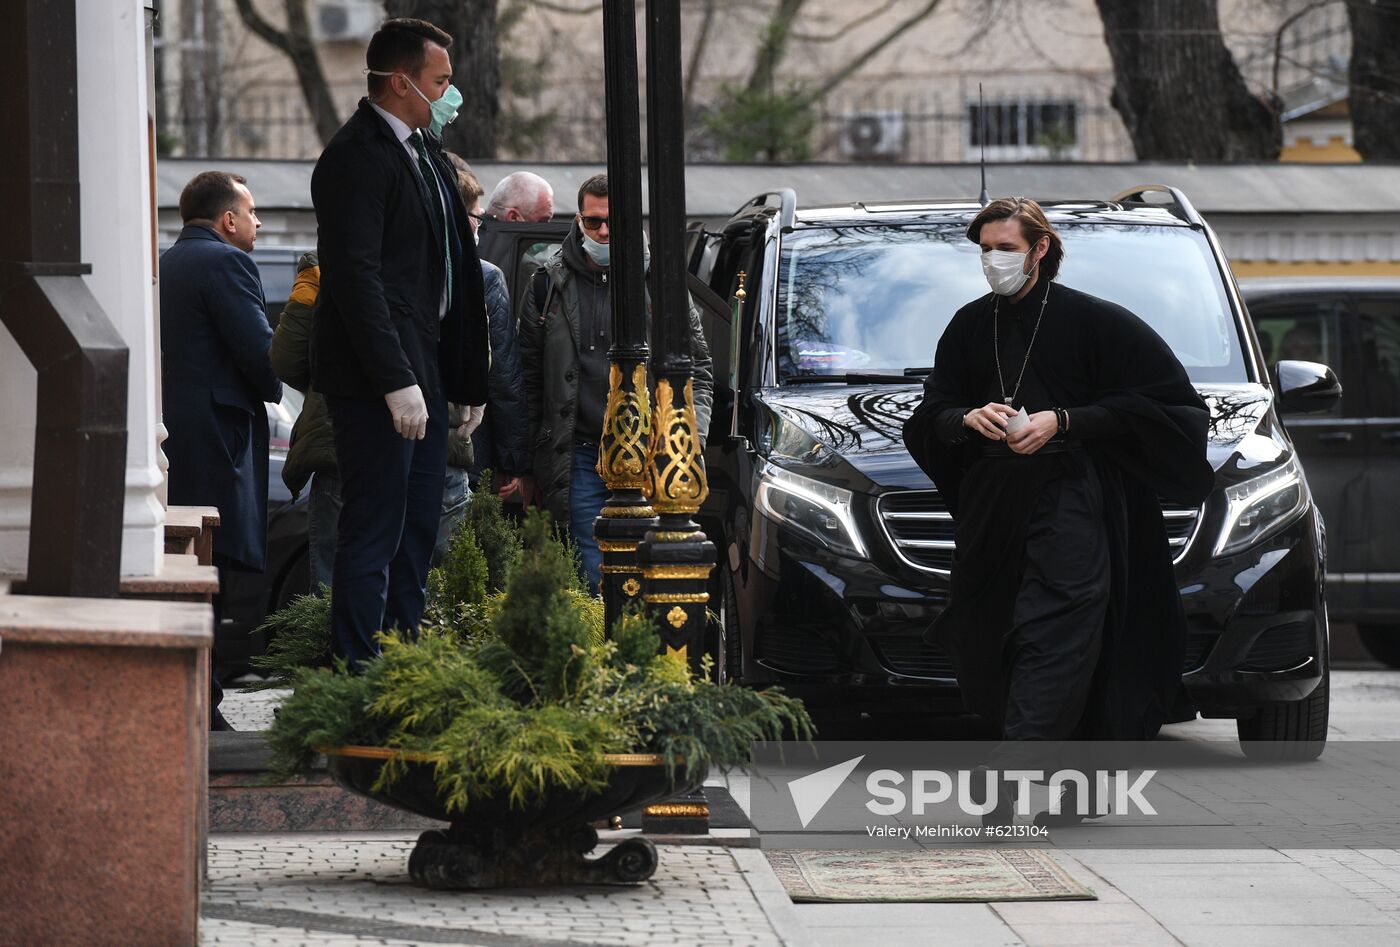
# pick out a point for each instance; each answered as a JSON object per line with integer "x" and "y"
{"x": 1383, "y": 641}
{"x": 732, "y": 639}
{"x": 1295, "y": 730}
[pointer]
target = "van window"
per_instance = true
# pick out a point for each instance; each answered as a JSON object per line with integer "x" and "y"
{"x": 1380, "y": 355}
{"x": 1306, "y": 330}
{"x": 876, "y": 299}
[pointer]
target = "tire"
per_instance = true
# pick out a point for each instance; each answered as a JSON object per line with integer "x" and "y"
{"x": 1383, "y": 641}
{"x": 1295, "y": 730}
{"x": 732, "y": 639}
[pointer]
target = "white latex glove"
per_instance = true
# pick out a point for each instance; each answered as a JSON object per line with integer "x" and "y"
{"x": 475, "y": 414}
{"x": 409, "y": 411}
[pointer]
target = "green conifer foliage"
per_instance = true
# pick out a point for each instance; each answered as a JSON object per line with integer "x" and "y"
{"x": 540, "y": 631}
{"x": 497, "y": 536}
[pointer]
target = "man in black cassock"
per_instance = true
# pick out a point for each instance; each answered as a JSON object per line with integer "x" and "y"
{"x": 1063, "y": 620}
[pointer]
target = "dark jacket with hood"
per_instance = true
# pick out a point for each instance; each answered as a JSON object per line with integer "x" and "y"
{"x": 564, "y": 355}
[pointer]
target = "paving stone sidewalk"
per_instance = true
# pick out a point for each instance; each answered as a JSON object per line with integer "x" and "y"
{"x": 354, "y": 889}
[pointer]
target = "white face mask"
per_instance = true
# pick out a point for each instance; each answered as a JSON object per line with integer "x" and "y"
{"x": 1005, "y": 271}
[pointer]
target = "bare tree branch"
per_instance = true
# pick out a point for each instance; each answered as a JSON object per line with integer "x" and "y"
{"x": 298, "y": 47}
{"x": 1283, "y": 28}
{"x": 697, "y": 54}
{"x": 846, "y": 27}
{"x": 870, "y": 52}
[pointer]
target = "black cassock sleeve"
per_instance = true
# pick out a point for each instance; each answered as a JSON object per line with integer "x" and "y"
{"x": 1154, "y": 420}
{"x": 934, "y": 433}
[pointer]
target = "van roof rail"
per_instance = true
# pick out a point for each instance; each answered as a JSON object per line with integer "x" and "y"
{"x": 1177, "y": 205}
{"x": 787, "y": 204}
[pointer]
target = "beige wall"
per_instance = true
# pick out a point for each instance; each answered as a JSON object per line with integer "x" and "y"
{"x": 1028, "y": 50}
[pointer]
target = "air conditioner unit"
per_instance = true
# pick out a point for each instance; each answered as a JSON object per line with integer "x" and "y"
{"x": 345, "y": 20}
{"x": 873, "y": 135}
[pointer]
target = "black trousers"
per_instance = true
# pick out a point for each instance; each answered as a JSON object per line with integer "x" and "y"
{"x": 1057, "y": 625}
{"x": 391, "y": 494}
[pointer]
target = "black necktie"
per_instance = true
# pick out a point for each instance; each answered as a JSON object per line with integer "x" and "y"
{"x": 430, "y": 178}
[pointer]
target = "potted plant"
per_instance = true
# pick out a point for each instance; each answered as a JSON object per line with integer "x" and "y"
{"x": 514, "y": 719}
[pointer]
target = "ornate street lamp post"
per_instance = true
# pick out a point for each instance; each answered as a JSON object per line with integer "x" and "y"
{"x": 676, "y": 558}
{"x": 624, "y": 445}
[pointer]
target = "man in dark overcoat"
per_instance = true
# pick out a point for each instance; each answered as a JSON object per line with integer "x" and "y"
{"x": 216, "y": 376}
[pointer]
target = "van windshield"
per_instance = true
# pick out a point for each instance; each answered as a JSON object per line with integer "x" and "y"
{"x": 875, "y": 299}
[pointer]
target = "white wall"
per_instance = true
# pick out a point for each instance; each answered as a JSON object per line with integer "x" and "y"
{"x": 115, "y": 174}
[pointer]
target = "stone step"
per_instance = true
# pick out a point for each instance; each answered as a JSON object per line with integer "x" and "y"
{"x": 241, "y": 799}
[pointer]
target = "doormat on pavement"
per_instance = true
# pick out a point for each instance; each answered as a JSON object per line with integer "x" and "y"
{"x": 938, "y": 875}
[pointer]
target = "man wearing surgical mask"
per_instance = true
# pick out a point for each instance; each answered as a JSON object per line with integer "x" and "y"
{"x": 565, "y": 335}
{"x": 1052, "y": 423}
{"x": 400, "y": 329}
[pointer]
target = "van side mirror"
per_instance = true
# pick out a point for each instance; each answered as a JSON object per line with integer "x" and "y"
{"x": 1306, "y": 387}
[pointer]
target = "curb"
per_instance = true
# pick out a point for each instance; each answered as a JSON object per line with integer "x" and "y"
{"x": 772, "y": 897}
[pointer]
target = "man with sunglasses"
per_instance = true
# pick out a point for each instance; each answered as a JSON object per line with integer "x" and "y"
{"x": 565, "y": 334}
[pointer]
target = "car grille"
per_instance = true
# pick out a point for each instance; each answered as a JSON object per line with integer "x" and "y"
{"x": 786, "y": 648}
{"x": 911, "y": 656}
{"x": 1280, "y": 648}
{"x": 919, "y": 528}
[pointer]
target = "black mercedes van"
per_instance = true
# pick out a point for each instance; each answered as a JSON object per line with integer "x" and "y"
{"x": 835, "y": 548}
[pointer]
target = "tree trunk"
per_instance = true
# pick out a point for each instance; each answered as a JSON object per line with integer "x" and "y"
{"x": 1375, "y": 78}
{"x": 773, "y": 46}
{"x": 295, "y": 43}
{"x": 476, "y": 67}
{"x": 1177, "y": 86}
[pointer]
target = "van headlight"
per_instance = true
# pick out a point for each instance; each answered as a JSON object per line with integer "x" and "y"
{"x": 1262, "y": 506}
{"x": 815, "y": 508}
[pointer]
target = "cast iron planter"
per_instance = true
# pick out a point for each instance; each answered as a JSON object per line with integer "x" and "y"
{"x": 493, "y": 844}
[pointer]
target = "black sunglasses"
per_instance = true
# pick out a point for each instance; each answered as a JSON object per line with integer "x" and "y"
{"x": 593, "y": 223}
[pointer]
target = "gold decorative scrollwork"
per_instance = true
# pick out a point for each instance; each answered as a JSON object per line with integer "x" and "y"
{"x": 677, "y": 466}
{"x": 677, "y": 572}
{"x": 631, "y": 587}
{"x": 622, "y": 462}
{"x": 673, "y": 598}
{"x": 677, "y": 616}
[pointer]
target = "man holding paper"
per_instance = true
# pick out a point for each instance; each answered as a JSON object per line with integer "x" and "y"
{"x": 1052, "y": 423}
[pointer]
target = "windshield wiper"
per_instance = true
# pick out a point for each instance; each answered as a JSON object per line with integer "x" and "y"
{"x": 850, "y": 378}
{"x": 918, "y": 371}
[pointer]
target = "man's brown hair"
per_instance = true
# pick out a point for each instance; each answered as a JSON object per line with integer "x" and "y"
{"x": 209, "y": 194}
{"x": 1033, "y": 226}
{"x": 596, "y": 185}
{"x": 397, "y": 46}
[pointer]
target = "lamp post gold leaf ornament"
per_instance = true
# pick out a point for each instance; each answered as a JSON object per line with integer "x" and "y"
{"x": 623, "y": 453}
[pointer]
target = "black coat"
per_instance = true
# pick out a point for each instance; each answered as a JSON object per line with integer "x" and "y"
{"x": 1089, "y": 352}
{"x": 380, "y": 245}
{"x": 215, "y": 377}
{"x": 503, "y": 440}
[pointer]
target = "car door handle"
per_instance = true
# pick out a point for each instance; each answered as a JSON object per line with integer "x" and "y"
{"x": 1334, "y": 437}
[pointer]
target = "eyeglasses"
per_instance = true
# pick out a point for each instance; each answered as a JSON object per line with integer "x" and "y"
{"x": 593, "y": 223}
{"x": 479, "y": 218}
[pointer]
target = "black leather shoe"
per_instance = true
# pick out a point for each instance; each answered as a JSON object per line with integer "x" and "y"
{"x": 1068, "y": 814}
{"x": 217, "y": 721}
